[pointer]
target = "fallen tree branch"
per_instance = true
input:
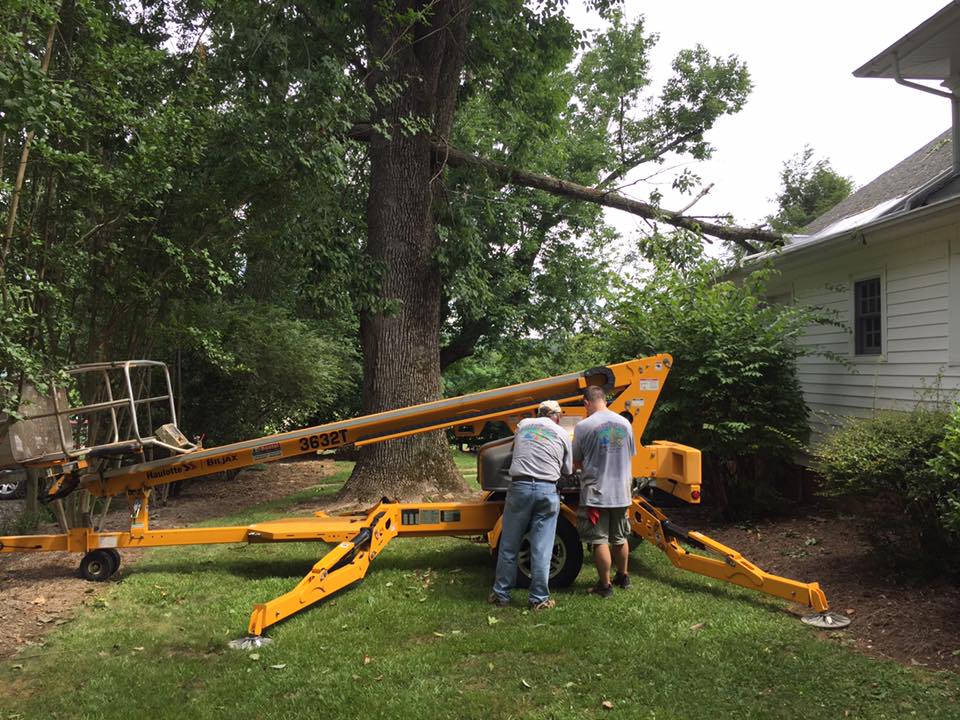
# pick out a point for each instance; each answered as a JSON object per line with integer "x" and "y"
{"x": 697, "y": 199}
{"x": 563, "y": 188}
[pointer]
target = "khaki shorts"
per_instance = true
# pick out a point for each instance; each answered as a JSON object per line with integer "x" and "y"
{"x": 612, "y": 528}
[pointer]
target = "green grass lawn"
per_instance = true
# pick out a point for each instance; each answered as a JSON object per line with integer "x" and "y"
{"x": 415, "y": 639}
{"x": 467, "y": 464}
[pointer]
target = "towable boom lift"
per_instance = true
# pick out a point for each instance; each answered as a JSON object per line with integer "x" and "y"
{"x": 44, "y": 439}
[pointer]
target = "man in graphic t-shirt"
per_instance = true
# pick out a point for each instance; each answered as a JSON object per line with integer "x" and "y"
{"x": 541, "y": 453}
{"x": 603, "y": 444}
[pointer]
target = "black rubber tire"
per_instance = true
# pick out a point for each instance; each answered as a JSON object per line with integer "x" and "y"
{"x": 115, "y": 557}
{"x": 12, "y": 485}
{"x": 10, "y": 490}
{"x": 97, "y": 566}
{"x": 567, "y": 558}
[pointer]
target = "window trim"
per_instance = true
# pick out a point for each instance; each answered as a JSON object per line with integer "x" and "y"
{"x": 953, "y": 302}
{"x": 867, "y": 325}
{"x": 874, "y": 274}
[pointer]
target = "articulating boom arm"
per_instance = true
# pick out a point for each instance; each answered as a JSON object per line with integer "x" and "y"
{"x": 635, "y": 386}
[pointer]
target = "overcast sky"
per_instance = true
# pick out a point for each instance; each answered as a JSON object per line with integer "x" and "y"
{"x": 801, "y": 57}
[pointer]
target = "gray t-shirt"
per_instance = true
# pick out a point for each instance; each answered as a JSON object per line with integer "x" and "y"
{"x": 604, "y": 444}
{"x": 541, "y": 449}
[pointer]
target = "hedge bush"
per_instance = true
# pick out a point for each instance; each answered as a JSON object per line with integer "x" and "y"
{"x": 733, "y": 390}
{"x": 947, "y": 468}
{"x": 904, "y": 461}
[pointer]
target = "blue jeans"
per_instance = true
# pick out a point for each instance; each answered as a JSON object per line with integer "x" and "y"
{"x": 532, "y": 506}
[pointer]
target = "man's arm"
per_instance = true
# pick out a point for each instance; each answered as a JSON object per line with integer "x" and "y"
{"x": 567, "y": 465}
{"x": 577, "y": 449}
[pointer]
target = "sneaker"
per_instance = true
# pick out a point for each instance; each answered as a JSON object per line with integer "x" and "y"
{"x": 548, "y": 604}
{"x": 500, "y": 602}
{"x": 622, "y": 581}
{"x": 603, "y": 591}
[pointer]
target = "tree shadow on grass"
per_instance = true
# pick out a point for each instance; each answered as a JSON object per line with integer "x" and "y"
{"x": 465, "y": 556}
{"x": 469, "y": 586}
{"x": 469, "y": 559}
{"x": 724, "y": 591}
{"x": 475, "y": 563}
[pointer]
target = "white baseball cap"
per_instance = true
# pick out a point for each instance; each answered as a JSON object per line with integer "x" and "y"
{"x": 550, "y": 407}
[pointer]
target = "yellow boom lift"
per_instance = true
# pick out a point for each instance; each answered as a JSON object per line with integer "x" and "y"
{"x": 43, "y": 438}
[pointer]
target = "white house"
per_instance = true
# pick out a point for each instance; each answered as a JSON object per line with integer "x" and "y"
{"x": 887, "y": 259}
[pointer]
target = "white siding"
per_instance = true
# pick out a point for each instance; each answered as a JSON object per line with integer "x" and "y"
{"x": 915, "y": 266}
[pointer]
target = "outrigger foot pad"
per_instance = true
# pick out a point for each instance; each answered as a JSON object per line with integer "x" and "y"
{"x": 250, "y": 642}
{"x": 827, "y": 620}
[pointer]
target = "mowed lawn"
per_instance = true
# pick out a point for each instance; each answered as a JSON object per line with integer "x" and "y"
{"x": 416, "y": 639}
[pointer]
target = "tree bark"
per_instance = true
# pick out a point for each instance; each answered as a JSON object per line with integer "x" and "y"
{"x": 400, "y": 338}
{"x": 415, "y": 60}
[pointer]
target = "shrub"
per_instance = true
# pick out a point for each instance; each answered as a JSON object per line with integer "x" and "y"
{"x": 733, "y": 390}
{"x": 946, "y": 466}
{"x": 895, "y": 457}
{"x": 255, "y": 369}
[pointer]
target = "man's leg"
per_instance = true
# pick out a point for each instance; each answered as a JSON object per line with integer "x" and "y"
{"x": 543, "y": 528}
{"x": 621, "y": 556}
{"x": 516, "y": 517}
{"x": 595, "y": 534}
{"x": 601, "y": 558}
{"x": 619, "y": 538}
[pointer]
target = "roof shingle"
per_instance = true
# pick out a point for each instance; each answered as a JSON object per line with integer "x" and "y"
{"x": 932, "y": 160}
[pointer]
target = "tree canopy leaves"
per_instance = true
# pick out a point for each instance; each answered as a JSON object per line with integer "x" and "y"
{"x": 808, "y": 190}
{"x": 190, "y": 189}
{"x": 733, "y": 390}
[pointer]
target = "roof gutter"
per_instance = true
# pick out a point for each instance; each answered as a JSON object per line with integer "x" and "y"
{"x": 880, "y": 223}
{"x": 954, "y": 102}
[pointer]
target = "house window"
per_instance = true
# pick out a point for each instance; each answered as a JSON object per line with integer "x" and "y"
{"x": 867, "y": 328}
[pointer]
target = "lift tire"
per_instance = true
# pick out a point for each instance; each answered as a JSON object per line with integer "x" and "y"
{"x": 97, "y": 566}
{"x": 13, "y": 484}
{"x": 115, "y": 557}
{"x": 566, "y": 562}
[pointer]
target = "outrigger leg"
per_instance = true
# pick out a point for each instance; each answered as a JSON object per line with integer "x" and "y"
{"x": 347, "y": 563}
{"x": 654, "y": 527}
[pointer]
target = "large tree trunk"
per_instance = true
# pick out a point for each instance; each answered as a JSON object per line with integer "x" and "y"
{"x": 401, "y": 338}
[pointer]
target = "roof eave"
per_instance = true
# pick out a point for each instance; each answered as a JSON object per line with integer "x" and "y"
{"x": 879, "y": 224}
{"x": 882, "y": 66}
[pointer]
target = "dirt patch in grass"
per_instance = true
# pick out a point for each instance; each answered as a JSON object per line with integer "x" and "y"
{"x": 892, "y": 617}
{"x": 40, "y": 591}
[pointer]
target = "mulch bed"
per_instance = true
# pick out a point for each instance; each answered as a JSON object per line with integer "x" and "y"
{"x": 913, "y": 622}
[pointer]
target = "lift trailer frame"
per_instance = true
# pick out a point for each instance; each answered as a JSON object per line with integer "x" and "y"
{"x": 359, "y": 538}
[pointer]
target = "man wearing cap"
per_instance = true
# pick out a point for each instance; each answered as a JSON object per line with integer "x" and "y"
{"x": 603, "y": 444}
{"x": 541, "y": 453}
